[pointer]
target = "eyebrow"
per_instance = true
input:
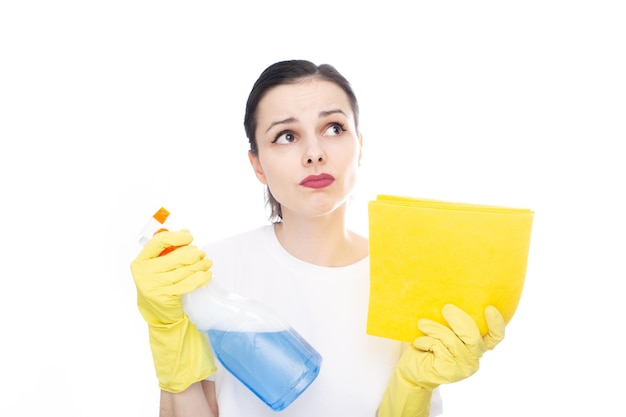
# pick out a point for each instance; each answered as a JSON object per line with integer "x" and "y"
{"x": 329, "y": 112}
{"x": 321, "y": 114}
{"x": 279, "y": 122}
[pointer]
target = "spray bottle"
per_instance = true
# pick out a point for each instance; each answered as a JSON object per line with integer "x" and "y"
{"x": 258, "y": 348}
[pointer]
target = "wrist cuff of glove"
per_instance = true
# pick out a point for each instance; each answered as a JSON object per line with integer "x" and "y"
{"x": 181, "y": 355}
{"x": 403, "y": 399}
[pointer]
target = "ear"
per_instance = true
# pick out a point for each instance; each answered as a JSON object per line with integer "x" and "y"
{"x": 360, "y": 148}
{"x": 256, "y": 166}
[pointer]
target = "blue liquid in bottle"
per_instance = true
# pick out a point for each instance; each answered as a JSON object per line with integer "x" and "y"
{"x": 276, "y": 366}
{"x": 259, "y": 349}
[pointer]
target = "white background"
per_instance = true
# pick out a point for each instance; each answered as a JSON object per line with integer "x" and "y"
{"x": 109, "y": 110}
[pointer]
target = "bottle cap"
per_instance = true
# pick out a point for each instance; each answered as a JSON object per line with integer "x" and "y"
{"x": 161, "y": 215}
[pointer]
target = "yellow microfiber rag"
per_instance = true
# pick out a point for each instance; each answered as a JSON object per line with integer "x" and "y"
{"x": 428, "y": 253}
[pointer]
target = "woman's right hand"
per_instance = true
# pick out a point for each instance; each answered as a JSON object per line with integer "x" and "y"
{"x": 161, "y": 281}
{"x": 181, "y": 355}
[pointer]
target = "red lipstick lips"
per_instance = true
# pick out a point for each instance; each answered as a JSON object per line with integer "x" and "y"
{"x": 317, "y": 181}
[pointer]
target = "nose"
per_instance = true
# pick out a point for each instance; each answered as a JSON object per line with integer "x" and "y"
{"x": 314, "y": 154}
{"x": 312, "y": 159}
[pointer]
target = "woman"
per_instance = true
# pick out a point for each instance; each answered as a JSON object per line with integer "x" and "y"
{"x": 302, "y": 124}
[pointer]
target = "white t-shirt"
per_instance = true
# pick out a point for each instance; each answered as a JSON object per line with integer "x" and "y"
{"x": 328, "y": 307}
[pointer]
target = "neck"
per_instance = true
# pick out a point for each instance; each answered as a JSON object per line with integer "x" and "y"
{"x": 323, "y": 240}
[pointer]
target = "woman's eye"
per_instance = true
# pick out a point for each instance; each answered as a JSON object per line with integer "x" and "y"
{"x": 284, "y": 137}
{"x": 335, "y": 129}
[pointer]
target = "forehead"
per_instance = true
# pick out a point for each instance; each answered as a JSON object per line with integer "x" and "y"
{"x": 309, "y": 95}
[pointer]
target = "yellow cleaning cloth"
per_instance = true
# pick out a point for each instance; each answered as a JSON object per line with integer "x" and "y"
{"x": 427, "y": 253}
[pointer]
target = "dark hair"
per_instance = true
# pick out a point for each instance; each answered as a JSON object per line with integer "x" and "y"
{"x": 289, "y": 72}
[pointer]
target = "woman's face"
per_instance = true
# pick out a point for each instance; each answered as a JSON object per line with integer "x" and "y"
{"x": 308, "y": 147}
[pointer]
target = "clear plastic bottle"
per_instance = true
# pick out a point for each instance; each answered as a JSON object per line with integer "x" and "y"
{"x": 263, "y": 352}
{"x": 258, "y": 348}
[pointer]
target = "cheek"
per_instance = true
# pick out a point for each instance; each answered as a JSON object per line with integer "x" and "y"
{"x": 355, "y": 166}
{"x": 353, "y": 159}
{"x": 270, "y": 171}
{"x": 353, "y": 172}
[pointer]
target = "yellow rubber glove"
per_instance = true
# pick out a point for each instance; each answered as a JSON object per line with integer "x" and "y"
{"x": 180, "y": 353}
{"x": 444, "y": 355}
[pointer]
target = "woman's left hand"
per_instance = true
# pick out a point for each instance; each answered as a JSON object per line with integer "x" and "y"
{"x": 450, "y": 354}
